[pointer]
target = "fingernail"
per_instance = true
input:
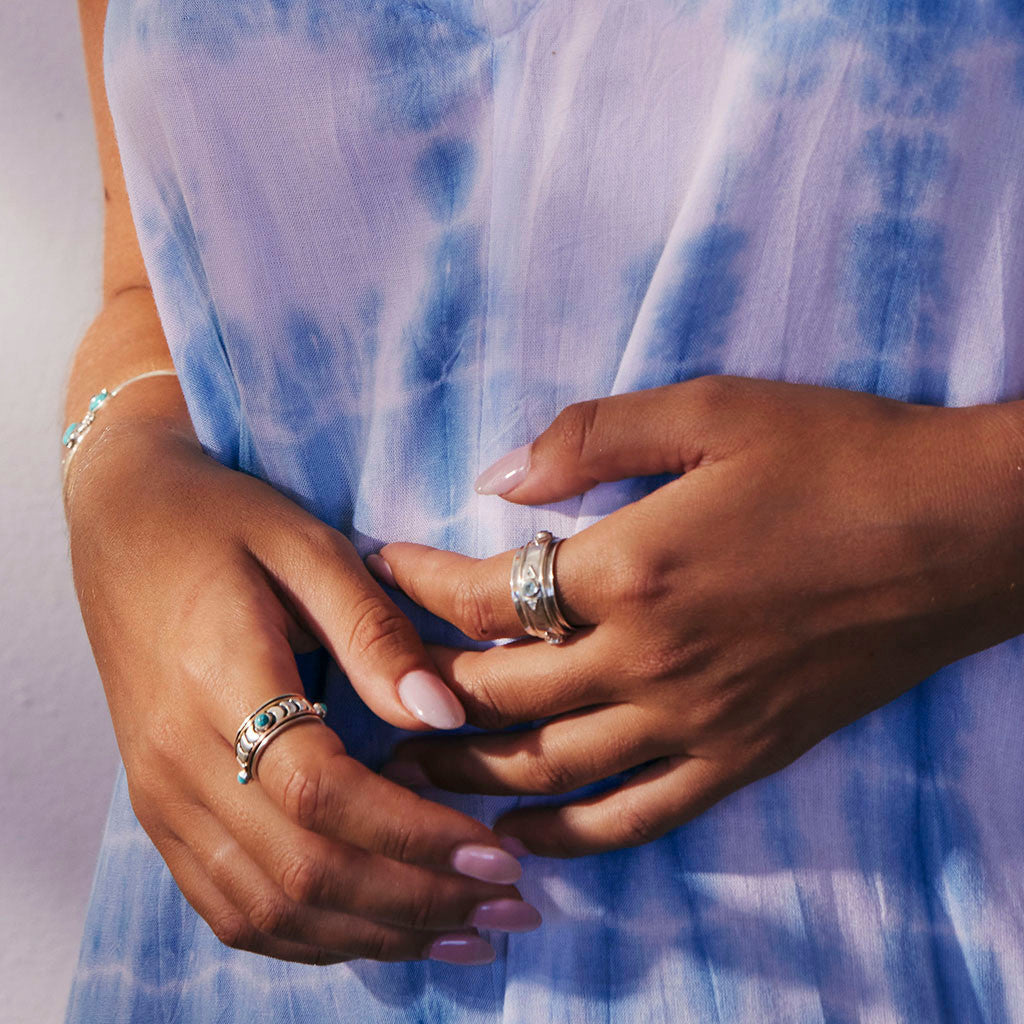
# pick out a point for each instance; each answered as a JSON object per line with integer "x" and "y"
{"x": 514, "y": 846}
{"x": 425, "y": 696}
{"x": 378, "y": 565}
{"x": 505, "y": 916}
{"x": 405, "y": 773}
{"x": 508, "y": 471}
{"x": 487, "y": 863}
{"x": 461, "y": 949}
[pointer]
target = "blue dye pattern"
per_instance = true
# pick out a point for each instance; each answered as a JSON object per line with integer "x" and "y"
{"x": 452, "y": 305}
{"x": 794, "y": 49}
{"x": 391, "y": 239}
{"x": 1012, "y": 23}
{"x": 907, "y": 47}
{"x": 426, "y": 64}
{"x": 445, "y": 176}
{"x": 166, "y": 230}
{"x": 693, "y": 319}
{"x": 896, "y": 262}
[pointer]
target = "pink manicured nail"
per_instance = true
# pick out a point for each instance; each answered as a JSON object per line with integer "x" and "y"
{"x": 426, "y": 696}
{"x": 378, "y": 565}
{"x": 505, "y": 916}
{"x": 508, "y": 471}
{"x": 405, "y": 773}
{"x": 487, "y": 863}
{"x": 461, "y": 949}
{"x": 514, "y": 846}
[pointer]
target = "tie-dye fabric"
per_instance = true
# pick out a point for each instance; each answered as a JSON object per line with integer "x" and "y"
{"x": 391, "y": 239}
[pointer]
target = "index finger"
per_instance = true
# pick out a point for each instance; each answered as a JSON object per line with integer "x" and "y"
{"x": 474, "y": 594}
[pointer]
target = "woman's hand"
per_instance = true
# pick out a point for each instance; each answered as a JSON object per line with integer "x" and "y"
{"x": 197, "y": 584}
{"x": 825, "y": 551}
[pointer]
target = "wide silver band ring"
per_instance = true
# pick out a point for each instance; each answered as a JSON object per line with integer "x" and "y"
{"x": 266, "y": 722}
{"x": 532, "y": 582}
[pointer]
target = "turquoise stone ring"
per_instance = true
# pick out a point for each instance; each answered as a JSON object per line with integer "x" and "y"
{"x": 266, "y": 722}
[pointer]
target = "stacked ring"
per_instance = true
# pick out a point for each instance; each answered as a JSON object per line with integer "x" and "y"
{"x": 266, "y": 722}
{"x": 532, "y": 582}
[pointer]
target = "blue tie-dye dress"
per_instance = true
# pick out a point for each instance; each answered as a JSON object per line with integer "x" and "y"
{"x": 390, "y": 239}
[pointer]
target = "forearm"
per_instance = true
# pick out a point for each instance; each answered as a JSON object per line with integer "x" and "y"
{"x": 125, "y": 339}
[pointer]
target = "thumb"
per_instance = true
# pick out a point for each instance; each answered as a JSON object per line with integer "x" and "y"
{"x": 641, "y": 433}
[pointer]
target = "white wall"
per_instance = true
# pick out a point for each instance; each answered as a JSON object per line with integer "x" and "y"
{"x": 57, "y": 753}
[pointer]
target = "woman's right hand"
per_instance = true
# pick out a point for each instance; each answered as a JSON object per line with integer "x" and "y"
{"x": 197, "y": 584}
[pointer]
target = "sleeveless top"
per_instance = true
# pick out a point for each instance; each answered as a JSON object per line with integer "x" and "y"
{"x": 390, "y": 239}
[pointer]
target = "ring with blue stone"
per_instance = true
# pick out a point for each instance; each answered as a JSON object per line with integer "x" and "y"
{"x": 266, "y": 722}
{"x": 532, "y": 582}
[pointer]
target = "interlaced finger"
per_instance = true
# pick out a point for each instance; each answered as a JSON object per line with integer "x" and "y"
{"x": 530, "y": 679}
{"x": 557, "y": 757}
{"x": 654, "y": 801}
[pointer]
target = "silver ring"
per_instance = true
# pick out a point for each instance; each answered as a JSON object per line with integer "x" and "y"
{"x": 265, "y": 723}
{"x": 532, "y": 582}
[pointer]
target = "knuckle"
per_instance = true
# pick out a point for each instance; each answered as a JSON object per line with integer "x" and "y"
{"x": 302, "y": 877}
{"x": 712, "y": 399}
{"x": 484, "y": 710}
{"x": 374, "y": 625}
{"x": 472, "y": 610}
{"x": 300, "y": 799}
{"x": 423, "y": 912}
{"x": 551, "y": 776}
{"x": 318, "y": 542}
{"x": 201, "y": 670}
{"x": 574, "y": 426}
{"x": 221, "y": 864}
{"x": 271, "y": 915}
{"x": 637, "y": 579}
{"x": 636, "y": 826}
{"x": 233, "y": 930}
{"x": 710, "y": 389}
{"x": 396, "y": 840}
{"x": 377, "y": 944}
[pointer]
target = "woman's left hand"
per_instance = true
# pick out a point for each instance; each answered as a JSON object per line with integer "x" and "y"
{"x": 823, "y": 551}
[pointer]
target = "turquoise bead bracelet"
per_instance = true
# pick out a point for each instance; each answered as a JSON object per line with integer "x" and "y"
{"x": 76, "y": 431}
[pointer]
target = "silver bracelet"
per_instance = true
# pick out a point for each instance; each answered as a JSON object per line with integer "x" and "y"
{"x": 76, "y": 431}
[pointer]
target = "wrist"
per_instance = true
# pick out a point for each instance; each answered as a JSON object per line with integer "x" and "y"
{"x": 131, "y": 430}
